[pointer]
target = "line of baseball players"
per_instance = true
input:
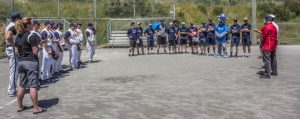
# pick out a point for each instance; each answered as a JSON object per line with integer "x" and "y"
{"x": 200, "y": 39}
{"x": 52, "y": 44}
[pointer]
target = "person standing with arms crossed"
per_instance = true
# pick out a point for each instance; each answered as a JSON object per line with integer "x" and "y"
{"x": 28, "y": 65}
{"x": 150, "y": 38}
{"x": 246, "y": 40}
{"x": 10, "y": 35}
{"x": 132, "y": 35}
{"x": 235, "y": 37}
{"x": 211, "y": 38}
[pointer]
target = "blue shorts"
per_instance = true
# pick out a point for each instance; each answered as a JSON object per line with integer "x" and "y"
{"x": 235, "y": 41}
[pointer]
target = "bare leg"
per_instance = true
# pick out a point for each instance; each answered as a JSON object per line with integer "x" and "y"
{"x": 34, "y": 99}
{"x": 20, "y": 96}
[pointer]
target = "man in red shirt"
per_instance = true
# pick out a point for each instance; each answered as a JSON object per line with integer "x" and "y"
{"x": 269, "y": 44}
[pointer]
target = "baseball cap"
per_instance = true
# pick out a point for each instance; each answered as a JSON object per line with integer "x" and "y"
{"x": 90, "y": 24}
{"x": 15, "y": 16}
{"x": 268, "y": 17}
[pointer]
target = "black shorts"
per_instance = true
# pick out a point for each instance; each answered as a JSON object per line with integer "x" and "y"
{"x": 132, "y": 42}
{"x": 202, "y": 42}
{"x": 211, "y": 40}
{"x": 235, "y": 41}
{"x": 183, "y": 41}
{"x": 161, "y": 40}
{"x": 172, "y": 42}
{"x": 141, "y": 43}
{"x": 28, "y": 74}
{"x": 246, "y": 41}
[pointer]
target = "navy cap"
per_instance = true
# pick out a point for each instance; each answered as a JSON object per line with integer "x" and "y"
{"x": 90, "y": 24}
{"x": 72, "y": 24}
{"x": 59, "y": 24}
{"x": 47, "y": 22}
{"x": 268, "y": 17}
{"x": 36, "y": 22}
{"x": 15, "y": 16}
{"x": 78, "y": 23}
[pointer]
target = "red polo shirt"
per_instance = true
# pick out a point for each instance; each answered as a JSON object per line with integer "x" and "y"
{"x": 269, "y": 37}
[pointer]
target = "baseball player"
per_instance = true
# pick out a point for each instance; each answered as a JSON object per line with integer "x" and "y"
{"x": 71, "y": 37}
{"x": 210, "y": 29}
{"x": 90, "y": 42}
{"x": 139, "y": 38}
{"x": 246, "y": 40}
{"x": 60, "y": 43}
{"x": 184, "y": 32}
{"x": 132, "y": 35}
{"x": 235, "y": 37}
{"x": 172, "y": 36}
{"x": 80, "y": 36}
{"x": 161, "y": 36}
{"x": 10, "y": 36}
{"x": 47, "y": 50}
{"x": 202, "y": 39}
{"x": 150, "y": 38}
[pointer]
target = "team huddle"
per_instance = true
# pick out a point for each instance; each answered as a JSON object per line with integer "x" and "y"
{"x": 200, "y": 39}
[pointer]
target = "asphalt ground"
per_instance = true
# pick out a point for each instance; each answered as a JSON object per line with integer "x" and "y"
{"x": 181, "y": 86}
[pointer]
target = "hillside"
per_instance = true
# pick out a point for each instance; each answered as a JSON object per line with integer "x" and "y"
{"x": 186, "y": 10}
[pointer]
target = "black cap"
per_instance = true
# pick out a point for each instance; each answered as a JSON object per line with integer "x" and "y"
{"x": 72, "y": 24}
{"x": 15, "y": 16}
{"x": 90, "y": 24}
{"x": 47, "y": 22}
{"x": 52, "y": 23}
{"x": 209, "y": 18}
{"x": 59, "y": 24}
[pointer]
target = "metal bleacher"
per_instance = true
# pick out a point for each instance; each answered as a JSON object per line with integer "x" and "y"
{"x": 120, "y": 39}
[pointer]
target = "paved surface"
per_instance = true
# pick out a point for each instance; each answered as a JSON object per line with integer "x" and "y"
{"x": 167, "y": 87}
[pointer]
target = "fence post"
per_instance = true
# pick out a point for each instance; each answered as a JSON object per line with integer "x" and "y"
{"x": 58, "y": 9}
{"x": 11, "y": 7}
{"x": 254, "y": 19}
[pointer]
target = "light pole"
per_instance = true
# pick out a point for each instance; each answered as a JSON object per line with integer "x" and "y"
{"x": 95, "y": 17}
{"x": 174, "y": 9}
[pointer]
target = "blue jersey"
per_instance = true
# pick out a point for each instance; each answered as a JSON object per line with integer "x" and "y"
{"x": 184, "y": 33}
{"x": 171, "y": 33}
{"x": 221, "y": 29}
{"x": 150, "y": 33}
{"x": 246, "y": 34}
{"x": 132, "y": 33}
{"x": 237, "y": 28}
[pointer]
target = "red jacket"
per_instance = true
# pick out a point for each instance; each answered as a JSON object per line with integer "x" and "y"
{"x": 269, "y": 37}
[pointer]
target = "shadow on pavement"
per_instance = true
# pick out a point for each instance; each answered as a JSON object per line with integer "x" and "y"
{"x": 48, "y": 103}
